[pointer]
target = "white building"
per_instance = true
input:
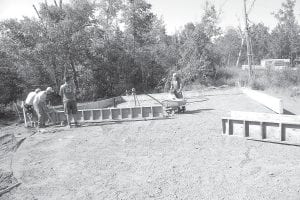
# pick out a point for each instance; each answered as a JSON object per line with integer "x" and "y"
{"x": 274, "y": 64}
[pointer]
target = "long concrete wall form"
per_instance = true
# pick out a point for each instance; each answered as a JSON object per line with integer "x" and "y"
{"x": 112, "y": 114}
{"x": 102, "y": 104}
{"x": 111, "y": 102}
{"x": 268, "y": 101}
{"x": 263, "y": 126}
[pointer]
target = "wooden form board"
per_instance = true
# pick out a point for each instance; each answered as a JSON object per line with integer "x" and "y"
{"x": 263, "y": 126}
{"x": 268, "y": 101}
{"x": 112, "y": 114}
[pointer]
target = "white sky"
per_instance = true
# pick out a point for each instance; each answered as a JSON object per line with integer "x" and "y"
{"x": 176, "y": 13}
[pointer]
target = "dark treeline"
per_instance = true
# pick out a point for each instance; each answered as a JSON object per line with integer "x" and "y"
{"x": 109, "y": 46}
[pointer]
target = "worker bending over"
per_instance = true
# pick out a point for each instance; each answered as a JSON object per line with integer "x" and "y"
{"x": 40, "y": 106}
{"x": 28, "y": 105}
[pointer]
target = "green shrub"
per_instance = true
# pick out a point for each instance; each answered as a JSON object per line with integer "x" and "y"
{"x": 226, "y": 76}
{"x": 258, "y": 84}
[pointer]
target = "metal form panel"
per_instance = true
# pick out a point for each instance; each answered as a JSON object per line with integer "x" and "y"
{"x": 263, "y": 126}
{"x": 112, "y": 114}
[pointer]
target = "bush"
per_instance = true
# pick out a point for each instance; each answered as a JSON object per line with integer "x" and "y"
{"x": 265, "y": 79}
{"x": 228, "y": 76}
{"x": 258, "y": 84}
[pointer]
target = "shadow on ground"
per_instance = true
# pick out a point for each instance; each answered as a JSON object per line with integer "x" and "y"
{"x": 86, "y": 124}
{"x": 286, "y": 112}
{"x": 198, "y": 101}
{"x": 197, "y": 111}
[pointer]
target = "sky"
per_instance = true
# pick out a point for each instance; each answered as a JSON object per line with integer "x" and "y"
{"x": 176, "y": 13}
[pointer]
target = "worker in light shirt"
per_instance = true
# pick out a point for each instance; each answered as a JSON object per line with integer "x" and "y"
{"x": 28, "y": 105}
{"x": 40, "y": 106}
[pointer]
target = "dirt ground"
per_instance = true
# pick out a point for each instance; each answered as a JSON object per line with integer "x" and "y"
{"x": 185, "y": 157}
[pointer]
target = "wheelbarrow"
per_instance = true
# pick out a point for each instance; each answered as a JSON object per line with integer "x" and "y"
{"x": 174, "y": 105}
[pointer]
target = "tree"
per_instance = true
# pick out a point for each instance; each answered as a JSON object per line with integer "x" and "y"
{"x": 260, "y": 38}
{"x": 198, "y": 56}
{"x": 10, "y": 83}
{"x": 228, "y": 47}
{"x": 285, "y": 37}
{"x": 143, "y": 31}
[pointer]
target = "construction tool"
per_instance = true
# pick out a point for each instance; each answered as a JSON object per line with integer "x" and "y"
{"x": 172, "y": 105}
{"x": 24, "y": 114}
{"x": 17, "y": 111}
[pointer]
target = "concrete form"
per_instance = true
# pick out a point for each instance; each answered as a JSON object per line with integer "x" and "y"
{"x": 268, "y": 101}
{"x": 263, "y": 126}
{"x": 113, "y": 114}
{"x": 101, "y": 104}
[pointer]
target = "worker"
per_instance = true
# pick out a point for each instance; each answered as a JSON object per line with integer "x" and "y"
{"x": 28, "y": 105}
{"x": 176, "y": 86}
{"x": 68, "y": 94}
{"x": 40, "y": 106}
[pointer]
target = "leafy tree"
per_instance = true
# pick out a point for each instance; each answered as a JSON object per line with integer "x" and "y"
{"x": 260, "y": 38}
{"x": 285, "y": 37}
{"x": 199, "y": 57}
{"x": 228, "y": 47}
{"x": 10, "y": 82}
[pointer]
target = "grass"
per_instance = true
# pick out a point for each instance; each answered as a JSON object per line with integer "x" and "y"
{"x": 287, "y": 80}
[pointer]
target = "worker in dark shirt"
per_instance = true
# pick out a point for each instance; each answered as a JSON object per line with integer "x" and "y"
{"x": 176, "y": 86}
{"x": 68, "y": 94}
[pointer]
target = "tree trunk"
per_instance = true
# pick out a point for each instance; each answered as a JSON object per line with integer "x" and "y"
{"x": 54, "y": 73}
{"x": 74, "y": 74}
{"x": 240, "y": 53}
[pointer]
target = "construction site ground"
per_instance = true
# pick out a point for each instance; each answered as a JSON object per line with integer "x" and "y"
{"x": 183, "y": 157}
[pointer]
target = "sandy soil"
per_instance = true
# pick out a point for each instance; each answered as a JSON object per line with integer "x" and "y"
{"x": 185, "y": 157}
